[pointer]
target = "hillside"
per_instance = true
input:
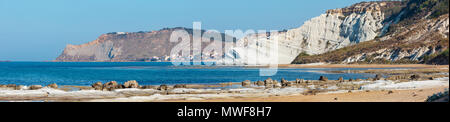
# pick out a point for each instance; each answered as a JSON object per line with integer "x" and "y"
{"x": 335, "y": 29}
{"x": 126, "y": 46}
{"x": 416, "y": 34}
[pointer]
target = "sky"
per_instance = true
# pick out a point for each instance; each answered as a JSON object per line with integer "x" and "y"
{"x": 39, "y": 30}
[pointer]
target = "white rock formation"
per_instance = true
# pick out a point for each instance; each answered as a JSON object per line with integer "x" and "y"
{"x": 333, "y": 30}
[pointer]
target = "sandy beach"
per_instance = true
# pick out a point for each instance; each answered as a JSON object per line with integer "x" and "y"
{"x": 399, "y": 85}
{"x": 414, "y": 95}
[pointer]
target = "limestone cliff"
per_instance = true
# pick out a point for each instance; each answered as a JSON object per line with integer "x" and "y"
{"x": 125, "y": 46}
{"x": 332, "y": 30}
{"x": 419, "y": 33}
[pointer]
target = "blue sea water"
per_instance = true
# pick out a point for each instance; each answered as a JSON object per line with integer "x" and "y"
{"x": 148, "y": 73}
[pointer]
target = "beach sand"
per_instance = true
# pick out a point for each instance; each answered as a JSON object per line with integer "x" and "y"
{"x": 413, "y": 91}
{"x": 356, "y": 96}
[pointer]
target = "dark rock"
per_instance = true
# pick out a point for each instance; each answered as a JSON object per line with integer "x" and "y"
{"x": 163, "y": 87}
{"x": 379, "y": 77}
{"x": 283, "y": 81}
{"x": 299, "y": 81}
{"x": 246, "y": 83}
{"x": 180, "y": 86}
{"x": 97, "y": 86}
{"x": 390, "y": 92}
{"x": 341, "y": 79}
{"x": 323, "y": 78}
{"x": 415, "y": 77}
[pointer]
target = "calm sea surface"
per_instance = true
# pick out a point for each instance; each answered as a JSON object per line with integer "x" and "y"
{"x": 147, "y": 73}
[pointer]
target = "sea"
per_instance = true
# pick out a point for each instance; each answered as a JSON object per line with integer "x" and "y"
{"x": 151, "y": 73}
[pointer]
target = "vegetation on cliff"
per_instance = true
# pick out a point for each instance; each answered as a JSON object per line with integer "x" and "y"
{"x": 415, "y": 32}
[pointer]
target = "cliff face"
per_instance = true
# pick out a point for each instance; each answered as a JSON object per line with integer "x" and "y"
{"x": 332, "y": 30}
{"x": 416, "y": 34}
{"x": 124, "y": 46}
{"x": 120, "y": 47}
{"x": 421, "y": 39}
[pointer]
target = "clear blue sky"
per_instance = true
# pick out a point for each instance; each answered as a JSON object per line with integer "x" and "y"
{"x": 38, "y": 30}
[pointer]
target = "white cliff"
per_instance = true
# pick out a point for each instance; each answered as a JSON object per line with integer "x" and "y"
{"x": 333, "y": 30}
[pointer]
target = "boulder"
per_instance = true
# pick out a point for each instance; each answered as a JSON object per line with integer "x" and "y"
{"x": 288, "y": 84}
{"x": 299, "y": 80}
{"x": 415, "y": 77}
{"x": 35, "y": 87}
{"x": 111, "y": 85}
{"x": 379, "y": 77}
{"x": 246, "y": 83}
{"x": 131, "y": 84}
{"x": 341, "y": 79}
{"x": 11, "y": 85}
{"x": 260, "y": 83}
{"x": 53, "y": 85}
{"x": 285, "y": 83}
{"x": 19, "y": 87}
{"x": 180, "y": 86}
{"x": 277, "y": 84}
{"x": 323, "y": 78}
{"x": 163, "y": 87}
{"x": 268, "y": 85}
{"x": 390, "y": 92}
{"x": 268, "y": 81}
{"x": 97, "y": 86}
{"x": 3, "y": 86}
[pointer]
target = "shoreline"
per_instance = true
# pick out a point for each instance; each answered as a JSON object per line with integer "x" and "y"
{"x": 299, "y": 90}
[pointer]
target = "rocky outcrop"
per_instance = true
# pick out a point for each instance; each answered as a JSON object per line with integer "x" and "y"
{"x": 131, "y": 84}
{"x": 112, "y": 85}
{"x": 246, "y": 83}
{"x": 330, "y": 31}
{"x": 416, "y": 34}
{"x": 35, "y": 87}
{"x": 421, "y": 40}
{"x": 126, "y": 46}
{"x": 53, "y": 85}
